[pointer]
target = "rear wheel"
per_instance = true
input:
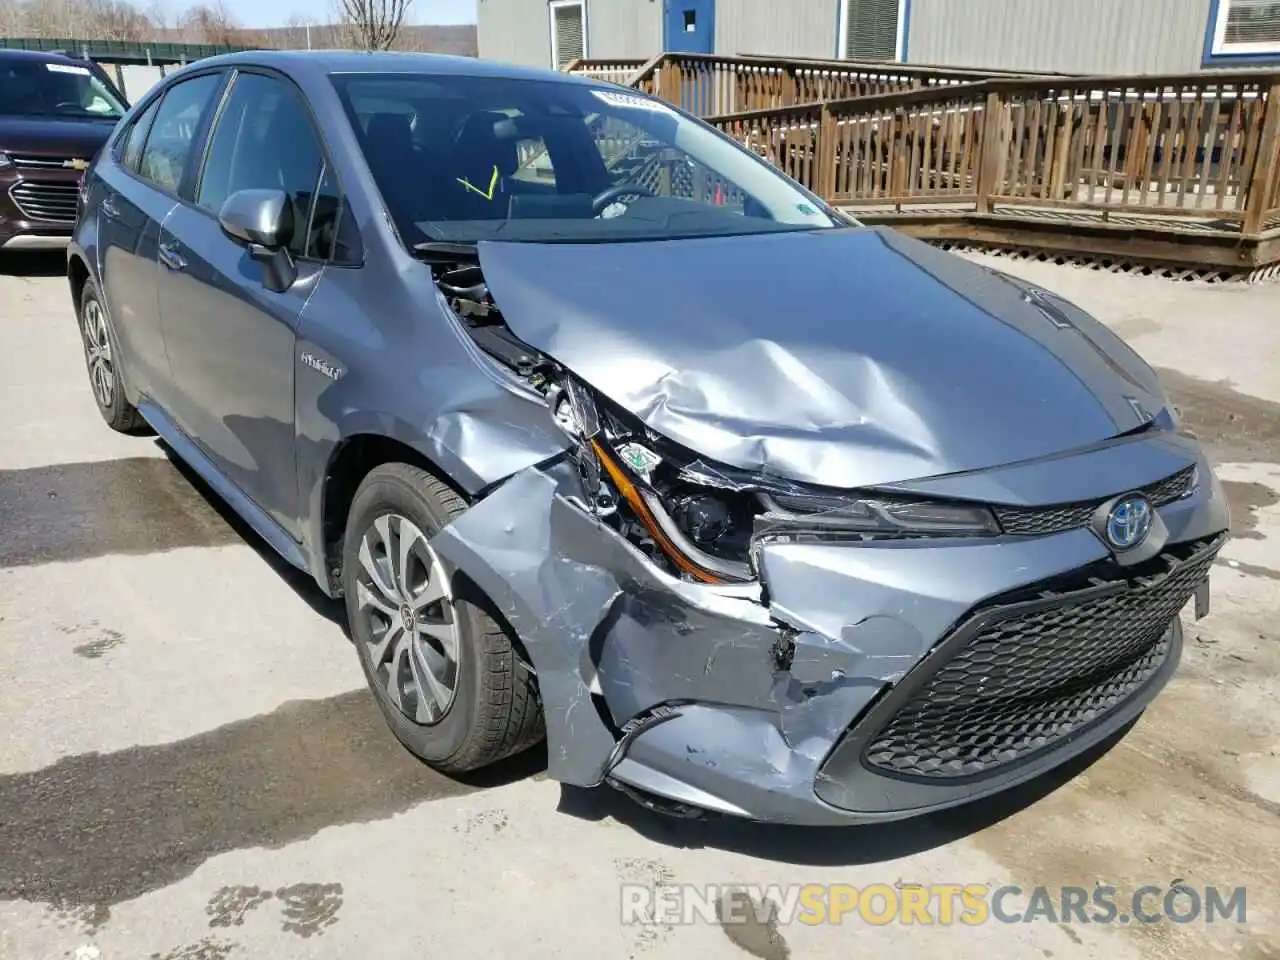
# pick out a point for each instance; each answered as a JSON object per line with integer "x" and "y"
{"x": 445, "y": 674}
{"x": 104, "y": 372}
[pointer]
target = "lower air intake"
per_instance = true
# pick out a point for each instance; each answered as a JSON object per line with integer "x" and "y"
{"x": 1031, "y": 673}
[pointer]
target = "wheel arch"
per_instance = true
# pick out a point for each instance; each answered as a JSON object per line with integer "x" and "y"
{"x": 349, "y": 463}
{"x": 77, "y": 278}
{"x": 351, "y": 460}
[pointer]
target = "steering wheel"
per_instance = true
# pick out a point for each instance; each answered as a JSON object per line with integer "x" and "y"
{"x": 68, "y": 105}
{"x": 616, "y": 192}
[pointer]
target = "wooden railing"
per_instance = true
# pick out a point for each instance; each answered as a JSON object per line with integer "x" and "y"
{"x": 914, "y": 65}
{"x": 1190, "y": 146}
{"x": 712, "y": 85}
{"x": 618, "y": 70}
{"x": 1176, "y": 150}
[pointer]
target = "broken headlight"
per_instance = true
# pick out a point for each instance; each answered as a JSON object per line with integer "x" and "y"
{"x": 712, "y": 533}
{"x": 706, "y": 522}
{"x": 700, "y": 533}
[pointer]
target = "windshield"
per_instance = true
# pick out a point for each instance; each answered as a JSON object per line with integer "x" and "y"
{"x": 37, "y": 88}
{"x": 462, "y": 159}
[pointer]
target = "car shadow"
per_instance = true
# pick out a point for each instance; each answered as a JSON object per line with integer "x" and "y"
{"x": 828, "y": 846}
{"x": 300, "y": 580}
{"x": 43, "y": 263}
{"x": 523, "y": 766}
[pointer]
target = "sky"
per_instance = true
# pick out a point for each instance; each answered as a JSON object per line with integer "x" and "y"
{"x": 276, "y": 13}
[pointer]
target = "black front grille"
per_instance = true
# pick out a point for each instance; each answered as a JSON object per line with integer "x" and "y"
{"x": 1039, "y": 521}
{"x": 52, "y": 202}
{"x": 1026, "y": 675}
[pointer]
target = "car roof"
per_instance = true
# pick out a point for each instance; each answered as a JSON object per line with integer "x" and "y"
{"x": 40, "y": 56}
{"x": 354, "y": 61}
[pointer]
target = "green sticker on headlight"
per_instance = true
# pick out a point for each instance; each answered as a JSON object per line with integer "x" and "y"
{"x": 640, "y": 459}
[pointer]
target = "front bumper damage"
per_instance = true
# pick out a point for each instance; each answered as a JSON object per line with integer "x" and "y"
{"x": 790, "y": 698}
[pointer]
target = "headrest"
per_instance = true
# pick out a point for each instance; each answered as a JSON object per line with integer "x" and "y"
{"x": 488, "y": 138}
{"x": 389, "y": 134}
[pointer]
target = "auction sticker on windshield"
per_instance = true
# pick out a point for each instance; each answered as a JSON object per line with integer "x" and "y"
{"x": 629, "y": 102}
{"x": 66, "y": 68}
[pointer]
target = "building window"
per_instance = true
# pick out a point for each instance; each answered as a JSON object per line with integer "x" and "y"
{"x": 568, "y": 32}
{"x": 872, "y": 30}
{"x": 1246, "y": 27}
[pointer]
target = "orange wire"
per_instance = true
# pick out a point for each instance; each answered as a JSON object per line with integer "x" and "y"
{"x": 636, "y": 502}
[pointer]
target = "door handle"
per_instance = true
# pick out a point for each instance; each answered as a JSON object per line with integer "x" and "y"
{"x": 170, "y": 256}
{"x": 109, "y": 208}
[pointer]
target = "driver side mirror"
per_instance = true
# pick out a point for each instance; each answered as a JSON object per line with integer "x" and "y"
{"x": 262, "y": 220}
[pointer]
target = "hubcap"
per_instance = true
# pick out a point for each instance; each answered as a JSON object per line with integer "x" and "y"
{"x": 403, "y": 595}
{"x": 97, "y": 349}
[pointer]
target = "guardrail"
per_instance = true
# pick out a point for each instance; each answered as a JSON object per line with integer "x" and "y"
{"x": 122, "y": 51}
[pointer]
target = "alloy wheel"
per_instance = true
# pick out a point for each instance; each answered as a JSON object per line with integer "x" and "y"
{"x": 402, "y": 591}
{"x": 97, "y": 348}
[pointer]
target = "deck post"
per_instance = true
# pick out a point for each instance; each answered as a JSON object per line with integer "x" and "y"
{"x": 826, "y": 150}
{"x": 670, "y": 81}
{"x": 1265, "y": 171}
{"x": 789, "y": 84}
{"x": 991, "y": 150}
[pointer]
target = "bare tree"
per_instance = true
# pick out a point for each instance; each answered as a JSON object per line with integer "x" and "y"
{"x": 210, "y": 23}
{"x": 116, "y": 20}
{"x": 376, "y": 23}
{"x": 160, "y": 16}
{"x": 295, "y": 34}
{"x": 9, "y": 17}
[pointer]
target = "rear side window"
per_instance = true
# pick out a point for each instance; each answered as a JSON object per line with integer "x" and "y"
{"x": 168, "y": 148}
{"x": 136, "y": 137}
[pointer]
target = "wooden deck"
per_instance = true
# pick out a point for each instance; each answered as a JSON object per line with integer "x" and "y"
{"x": 1181, "y": 170}
{"x": 1130, "y": 241}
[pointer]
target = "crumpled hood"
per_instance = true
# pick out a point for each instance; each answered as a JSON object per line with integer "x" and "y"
{"x": 845, "y": 357}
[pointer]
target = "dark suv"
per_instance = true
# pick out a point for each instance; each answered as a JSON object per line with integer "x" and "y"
{"x": 601, "y": 425}
{"x": 55, "y": 115}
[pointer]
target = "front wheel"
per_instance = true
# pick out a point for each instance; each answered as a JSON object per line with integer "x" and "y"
{"x": 445, "y": 674}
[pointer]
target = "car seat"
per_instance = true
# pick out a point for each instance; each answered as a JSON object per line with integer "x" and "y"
{"x": 402, "y": 173}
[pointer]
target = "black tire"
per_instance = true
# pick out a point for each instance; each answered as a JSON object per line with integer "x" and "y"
{"x": 495, "y": 711}
{"x": 120, "y": 415}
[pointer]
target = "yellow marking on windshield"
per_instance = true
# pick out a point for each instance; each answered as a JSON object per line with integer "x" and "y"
{"x": 493, "y": 184}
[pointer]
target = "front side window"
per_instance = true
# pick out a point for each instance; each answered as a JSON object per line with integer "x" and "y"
{"x": 36, "y": 88}
{"x": 469, "y": 158}
{"x": 168, "y": 148}
{"x": 264, "y": 140}
{"x": 331, "y": 233}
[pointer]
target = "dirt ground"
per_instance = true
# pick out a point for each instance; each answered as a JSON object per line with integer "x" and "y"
{"x": 193, "y": 770}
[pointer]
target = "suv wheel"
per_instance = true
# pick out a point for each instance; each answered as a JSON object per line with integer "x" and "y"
{"x": 100, "y": 360}
{"x": 444, "y": 672}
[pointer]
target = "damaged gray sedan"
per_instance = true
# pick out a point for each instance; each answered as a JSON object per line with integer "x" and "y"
{"x": 607, "y": 431}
